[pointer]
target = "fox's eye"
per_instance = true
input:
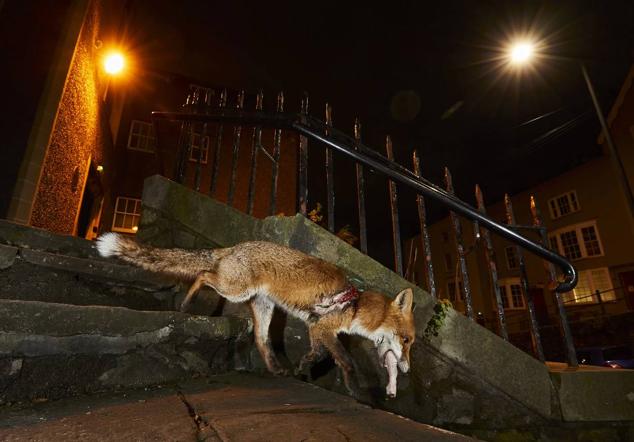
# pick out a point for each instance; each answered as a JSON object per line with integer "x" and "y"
{"x": 405, "y": 339}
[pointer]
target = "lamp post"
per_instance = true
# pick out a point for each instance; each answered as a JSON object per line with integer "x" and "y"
{"x": 520, "y": 54}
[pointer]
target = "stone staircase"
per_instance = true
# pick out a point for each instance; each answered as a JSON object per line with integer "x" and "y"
{"x": 71, "y": 322}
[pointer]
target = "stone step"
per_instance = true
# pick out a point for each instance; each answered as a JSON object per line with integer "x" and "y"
{"x": 35, "y": 275}
{"x": 49, "y": 350}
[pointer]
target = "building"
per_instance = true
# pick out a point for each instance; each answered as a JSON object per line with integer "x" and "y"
{"x": 81, "y": 142}
{"x": 588, "y": 221}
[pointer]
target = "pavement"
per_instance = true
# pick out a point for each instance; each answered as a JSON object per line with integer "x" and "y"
{"x": 231, "y": 407}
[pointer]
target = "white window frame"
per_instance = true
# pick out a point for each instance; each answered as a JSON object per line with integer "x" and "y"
{"x": 506, "y": 292}
{"x": 195, "y": 146}
{"x": 148, "y": 138}
{"x": 576, "y": 297}
{"x": 577, "y": 228}
{"x": 513, "y": 250}
{"x": 135, "y": 213}
{"x": 572, "y": 199}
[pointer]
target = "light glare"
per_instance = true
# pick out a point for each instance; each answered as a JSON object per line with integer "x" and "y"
{"x": 521, "y": 53}
{"x": 114, "y": 63}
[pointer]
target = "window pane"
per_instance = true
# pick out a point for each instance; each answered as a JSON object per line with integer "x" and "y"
{"x": 127, "y": 221}
{"x": 137, "y": 207}
{"x": 118, "y": 220}
{"x": 601, "y": 281}
{"x": 516, "y": 293}
{"x": 583, "y": 291}
{"x": 590, "y": 240}
{"x": 570, "y": 245}
{"x": 573, "y": 201}
{"x": 120, "y": 206}
{"x": 503, "y": 294}
{"x": 563, "y": 204}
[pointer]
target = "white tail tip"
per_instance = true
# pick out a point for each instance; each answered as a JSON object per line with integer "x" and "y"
{"x": 108, "y": 244}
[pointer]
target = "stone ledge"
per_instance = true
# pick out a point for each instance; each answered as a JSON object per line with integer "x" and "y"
{"x": 595, "y": 395}
{"x": 56, "y": 350}
{"x": 94, "y": 267}
{"x": 21, "y": 236}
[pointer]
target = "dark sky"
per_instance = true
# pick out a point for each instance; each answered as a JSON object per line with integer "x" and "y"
{"x": 428, "y": 73}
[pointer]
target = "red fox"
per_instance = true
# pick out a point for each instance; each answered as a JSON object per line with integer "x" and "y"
{"x": 266, "y": 275}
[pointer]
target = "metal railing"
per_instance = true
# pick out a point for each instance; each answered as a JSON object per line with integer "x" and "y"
{"x": 200, "y": 111}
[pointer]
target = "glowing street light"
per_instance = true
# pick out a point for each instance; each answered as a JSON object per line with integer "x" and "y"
{"x": 521, "y": 53}
{"x": 114, "y": 63}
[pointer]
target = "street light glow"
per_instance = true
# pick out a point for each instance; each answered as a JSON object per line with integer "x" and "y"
{"x": 521, "y": 53}
{"x": 113, "y": 63}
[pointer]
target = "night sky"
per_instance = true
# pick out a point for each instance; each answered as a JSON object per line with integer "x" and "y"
{"x": 428, "y": 74}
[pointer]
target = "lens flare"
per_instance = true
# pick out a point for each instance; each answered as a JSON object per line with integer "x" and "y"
{"x": 114, "y": 63}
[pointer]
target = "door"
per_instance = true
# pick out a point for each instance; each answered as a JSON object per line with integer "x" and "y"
{"x": 627, "y": 282}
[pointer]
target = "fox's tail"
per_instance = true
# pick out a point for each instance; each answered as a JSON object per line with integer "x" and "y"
{"x": 177, "y": 262}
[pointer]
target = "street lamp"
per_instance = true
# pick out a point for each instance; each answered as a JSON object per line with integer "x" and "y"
{"x": 520, "y": 54}
{"x": 113, "y": 65}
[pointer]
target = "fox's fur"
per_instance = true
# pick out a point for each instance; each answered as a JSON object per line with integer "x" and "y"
{"x": 268, "y": 275}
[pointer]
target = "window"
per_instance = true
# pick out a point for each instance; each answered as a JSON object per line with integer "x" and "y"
{"x": 511, "y": 294}
{"x": 141, "y": 136}
{"x": 589, "y": 282}
{"x": 578, "y": 241}
{"x": 512, "y": 260}
{"x": 127, "y": 212}
{"x": 563, "y": 204}
{"x": 194, "y": 152}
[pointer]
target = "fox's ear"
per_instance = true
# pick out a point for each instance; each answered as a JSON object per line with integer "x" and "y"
{"x": 404, "y": 300}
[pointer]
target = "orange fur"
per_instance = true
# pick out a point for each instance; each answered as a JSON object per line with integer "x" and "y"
{"x": 268, "y": 275}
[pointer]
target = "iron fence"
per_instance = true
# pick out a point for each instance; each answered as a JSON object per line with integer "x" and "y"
{"x": 201, "y": 112}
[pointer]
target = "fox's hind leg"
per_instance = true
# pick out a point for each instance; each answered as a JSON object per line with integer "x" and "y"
{"x": 205, "y": 278}
{"x": 262, "y": 309}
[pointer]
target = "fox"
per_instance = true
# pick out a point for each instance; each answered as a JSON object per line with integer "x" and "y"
{"x": 268, "y": 275}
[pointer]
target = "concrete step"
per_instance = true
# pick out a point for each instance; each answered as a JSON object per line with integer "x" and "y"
{"x": 237, "y": 406}
{"x": 48, "y": 350}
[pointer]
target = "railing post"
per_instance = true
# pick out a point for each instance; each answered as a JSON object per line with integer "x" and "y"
{"x": 216, "y": 167}
{"x": 363, "y": 236}
{"x": 422, "y": 218}
{"x": 396, "y": 228}
{"x": 493, "y": 270}
{"x": 277, "y": 142}
{"x": 330, "y": 179}
{"x": 534, "y": 326}
{"x": 237, "y": 131}
{"x": 457, "y": 227}
{"x": 255, "y": 149}
{"x": 303, "y": 163}
{"x": 202, "y": 136}
{"x": 571, "y": 354}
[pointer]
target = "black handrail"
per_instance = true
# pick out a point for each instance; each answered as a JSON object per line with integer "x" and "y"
{"x": 316, "y": 129}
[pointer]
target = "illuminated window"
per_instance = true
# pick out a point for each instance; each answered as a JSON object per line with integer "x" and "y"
{"x": 203, "y": 93}
{"x": 141, "y": 136}
{"x": 578, "y": 241}
{"x": 512, "y": 261}
{"x": 511, "y": 294}
{"x": 589, "y": 282}
{"x": 127, "y": 212}
{"x": 195, "y": 153}
{"x": 563, "y": 204}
